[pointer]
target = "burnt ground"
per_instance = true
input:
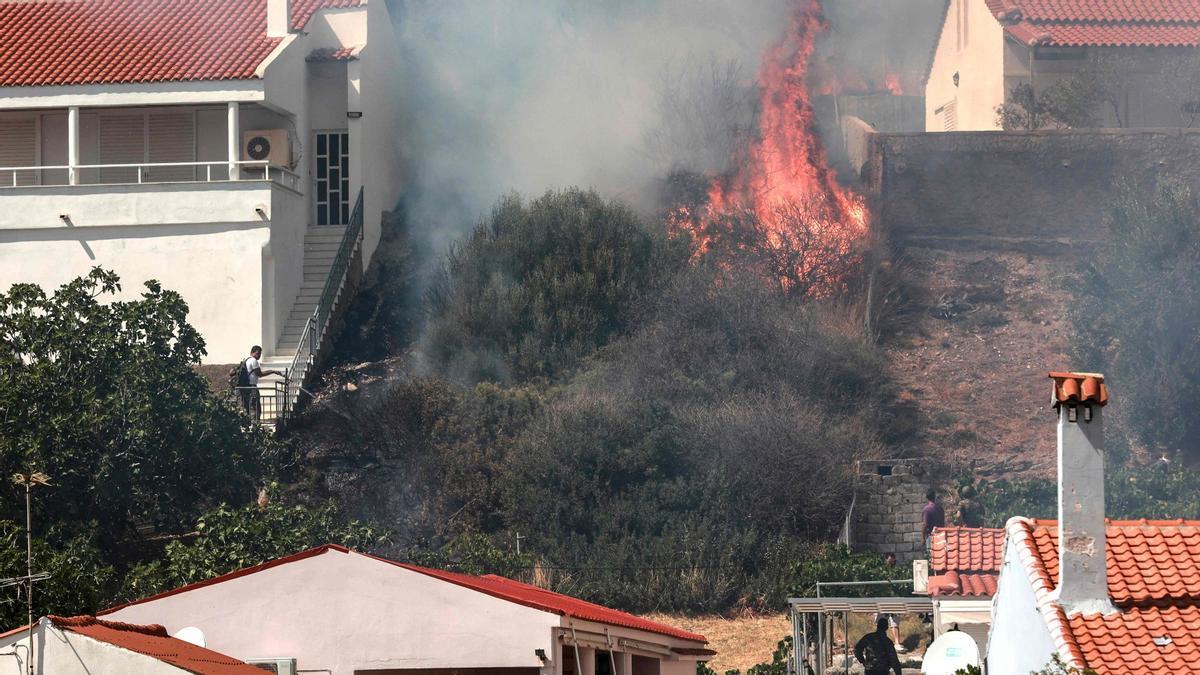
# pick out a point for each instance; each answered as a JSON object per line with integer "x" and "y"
{"x": 984, "y": 323}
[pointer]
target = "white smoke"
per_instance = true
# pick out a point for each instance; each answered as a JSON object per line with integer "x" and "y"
{"x": 526, "y": 95}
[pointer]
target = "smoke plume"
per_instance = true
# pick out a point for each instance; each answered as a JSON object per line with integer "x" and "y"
{"x": 503, "y": 95}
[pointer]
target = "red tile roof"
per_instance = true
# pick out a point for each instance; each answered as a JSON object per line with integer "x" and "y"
{"x": 1101, "y": 23}
{"x": 1153, "y": 580}
{"x": 154, "y": 642}
{"x": 71, "y": 42}
{"x": 1079, "y": 388}
{"x": 490, "y": 584}
{"x": 965, "y": 561}
{"x": 549, "y": 601}
{"x": 965, "y": 584}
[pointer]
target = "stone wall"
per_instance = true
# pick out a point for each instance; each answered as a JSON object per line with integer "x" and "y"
{"x": 888, "y": 498}
{"x": 1020, "y": 184}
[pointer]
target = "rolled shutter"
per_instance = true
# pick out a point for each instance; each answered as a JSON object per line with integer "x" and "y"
{"x": 122, "y": 141}
{"x": 172, "y": 139}
{"x": 18, "y": 147}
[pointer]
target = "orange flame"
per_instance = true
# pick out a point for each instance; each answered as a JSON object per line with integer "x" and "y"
{"x": 891, "y": 82}
{"x": 786, "y": 165}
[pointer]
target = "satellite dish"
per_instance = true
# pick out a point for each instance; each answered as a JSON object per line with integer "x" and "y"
{"x": 954, "y": 650}
{"x": 190, "y": 634}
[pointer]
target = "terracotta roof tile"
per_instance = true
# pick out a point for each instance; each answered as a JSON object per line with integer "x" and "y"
{"x": 965, "y": 561}
{"x": 69, "y": 42}
{"x": 154, "y": 642}
{"x": 1101, "y": 23}
{"x": 966, "y": 549}
{"x": 965, "y": 584}
{"x": 500, "y": 587}
{"x": 549, "y": 601}
{"x": 1079, "y": 388}
{"x": 1153, "y": 579}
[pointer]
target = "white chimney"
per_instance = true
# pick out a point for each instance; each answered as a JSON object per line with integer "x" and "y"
{"x": 1079, "y": 400}
{"x": 279, "y": 18}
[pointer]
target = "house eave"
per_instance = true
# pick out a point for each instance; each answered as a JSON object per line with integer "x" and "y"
{"x": 137, "y": 94}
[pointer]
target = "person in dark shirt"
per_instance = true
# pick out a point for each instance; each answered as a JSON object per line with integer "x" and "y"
{"x": 970, "y": 511}
{"x": 932, "y": 516}
{"x": 876, "y": 652}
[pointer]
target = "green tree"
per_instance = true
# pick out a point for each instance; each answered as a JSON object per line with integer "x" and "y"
{"x": 102, "y": 395}
{"x": 539, "y": 285}
{"x": 229, "y": 539}
{"x": 79, "y": 579}
{"x": 1138, "y": 314}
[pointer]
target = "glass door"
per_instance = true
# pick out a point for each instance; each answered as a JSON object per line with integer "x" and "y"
{"x": 332, "y": 176}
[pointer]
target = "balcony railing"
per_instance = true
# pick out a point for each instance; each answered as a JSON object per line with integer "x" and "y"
{"x": 146, "y": 173}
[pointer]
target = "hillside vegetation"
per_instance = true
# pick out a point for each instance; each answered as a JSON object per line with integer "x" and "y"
{"x": 640, "y": 420}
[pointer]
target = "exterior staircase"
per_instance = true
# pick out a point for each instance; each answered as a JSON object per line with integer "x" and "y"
{"x": 328, "y": 253}
{"x": 320, "y": 248}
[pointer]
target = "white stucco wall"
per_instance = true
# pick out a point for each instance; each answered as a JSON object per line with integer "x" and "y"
{"x": 381, "y": 155}
{"x": 203, "y": 240}
{"x": 972, "y": 44}
{"x": 343, "y": 612}
{"x": 66, "y": 653}
{"x": 1019, "y": 641}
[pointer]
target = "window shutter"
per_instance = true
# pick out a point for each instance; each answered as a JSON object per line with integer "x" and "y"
{"x": 18, "y": 147}
{"x": 122, "y": 141}
{"x": 172, "y": 139}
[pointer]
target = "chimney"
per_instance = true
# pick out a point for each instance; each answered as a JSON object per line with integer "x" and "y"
{"x": 1079, "y": 400}
{"x": 279, "y": 21}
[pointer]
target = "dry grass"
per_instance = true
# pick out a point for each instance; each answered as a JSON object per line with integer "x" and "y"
{"x": 745, "y": 642}
{"x": 740, "y": 643}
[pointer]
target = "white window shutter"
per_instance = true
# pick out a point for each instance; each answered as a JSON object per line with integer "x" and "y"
{"x": 18, "y": 147}
{"x": 122, "y": 141}
{"x": 172, "y": 137}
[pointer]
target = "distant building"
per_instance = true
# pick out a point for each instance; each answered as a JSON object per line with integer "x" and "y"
{"x": 217, "y": 146}
{"x": 988, "y": 47}
{"x": 335, "y": 611}
{"x": 84, "y": 645}
{"x": 964, "y": 565}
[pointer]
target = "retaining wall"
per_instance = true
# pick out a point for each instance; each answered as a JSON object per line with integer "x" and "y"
{"x": 1039, "y": 184}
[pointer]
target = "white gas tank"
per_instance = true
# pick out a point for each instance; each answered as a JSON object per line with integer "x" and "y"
{"x": 953, "y": 650}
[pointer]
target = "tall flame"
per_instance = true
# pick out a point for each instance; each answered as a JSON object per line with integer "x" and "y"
{"x": 786, "y": 165}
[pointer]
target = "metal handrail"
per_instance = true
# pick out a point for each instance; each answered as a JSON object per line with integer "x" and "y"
{"x": 287, "y": 177}
{"x": 316, "y": 325}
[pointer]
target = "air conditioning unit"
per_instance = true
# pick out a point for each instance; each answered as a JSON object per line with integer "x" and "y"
{"x": 267, "y": 145}
{"x": 277, "y": 666}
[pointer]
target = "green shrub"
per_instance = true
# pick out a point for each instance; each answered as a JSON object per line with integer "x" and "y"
{"x": 229, "y": 539}
{"x": 539, "y": 285}
{"x": 1139, "y": 313}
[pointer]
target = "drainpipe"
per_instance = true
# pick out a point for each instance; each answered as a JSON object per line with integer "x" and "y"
{"x": 73, "y": 145}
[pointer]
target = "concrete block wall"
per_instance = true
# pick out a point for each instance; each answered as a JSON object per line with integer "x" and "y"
{"x": 888, "y": 498}
{"x": 1042, "y": 185}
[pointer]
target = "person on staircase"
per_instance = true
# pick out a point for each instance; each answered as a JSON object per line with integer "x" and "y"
{"x": 253, "y": 369}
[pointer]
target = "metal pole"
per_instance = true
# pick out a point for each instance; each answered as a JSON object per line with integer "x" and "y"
{"x": 29, "y": 563}
{"x": 846, "y": 626}
{"x": 804, "y": 625}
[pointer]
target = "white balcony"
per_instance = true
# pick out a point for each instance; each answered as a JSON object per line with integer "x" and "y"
{"x": 146, "y": 173}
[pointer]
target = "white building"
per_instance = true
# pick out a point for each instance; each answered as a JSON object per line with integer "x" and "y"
{"x": 1112, "y": 596}
{"x": 988, "y": 47}
{"x": 217, "y": 146}
{"x": 84, "y": 645}
{"x": 336, "y": 611}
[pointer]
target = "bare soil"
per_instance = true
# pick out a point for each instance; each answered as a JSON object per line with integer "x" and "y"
{"x": 980, "y": 330}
